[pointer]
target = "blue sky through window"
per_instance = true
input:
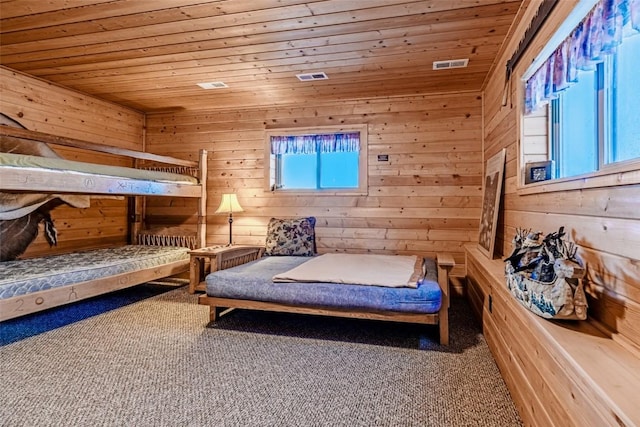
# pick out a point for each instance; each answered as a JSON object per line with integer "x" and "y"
{"x": 337, "y": 170}
{"x": 578, "y": 113}
{"x": 626, "y": 92}
{"x": 579, "y": 127}
{"x": 299, "y": 171}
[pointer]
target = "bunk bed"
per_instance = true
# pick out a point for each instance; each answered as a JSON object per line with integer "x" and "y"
{"x": 31, "y": 285}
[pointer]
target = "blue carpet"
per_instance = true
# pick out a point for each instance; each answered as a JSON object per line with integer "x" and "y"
{"x": 33, "y": 324}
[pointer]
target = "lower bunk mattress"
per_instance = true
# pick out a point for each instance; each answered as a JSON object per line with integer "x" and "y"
{"x": 253, "y": 281}
{"x": 22, "y": 277}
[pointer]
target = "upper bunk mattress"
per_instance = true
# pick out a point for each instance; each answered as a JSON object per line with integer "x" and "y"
{"x": 253, "y": 281}
{"x": 26, "y": 276}
{"x": 10, "y": 160}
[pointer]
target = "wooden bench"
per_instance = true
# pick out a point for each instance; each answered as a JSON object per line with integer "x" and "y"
{"x": 559, "y": 373}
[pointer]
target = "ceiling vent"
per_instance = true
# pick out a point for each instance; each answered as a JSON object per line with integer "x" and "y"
{"x": 212, "y": 85}
{"x": 312, "y": 76}
{"x": 454, "y": 63}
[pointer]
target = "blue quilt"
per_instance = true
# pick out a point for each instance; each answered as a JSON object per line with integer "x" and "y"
{"x": 252, "y": 281}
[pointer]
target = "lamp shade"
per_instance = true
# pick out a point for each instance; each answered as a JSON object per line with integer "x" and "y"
{"x": 229, "y": 204}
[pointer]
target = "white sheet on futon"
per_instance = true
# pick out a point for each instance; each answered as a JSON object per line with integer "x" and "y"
{"x": 361, "y": 269}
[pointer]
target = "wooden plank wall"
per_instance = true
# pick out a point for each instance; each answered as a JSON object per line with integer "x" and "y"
{"x": 604, "y": 222}
{"x": 46, "y": 107}
{"x": 535, "y": 134}
{"x": 425, "y": 199}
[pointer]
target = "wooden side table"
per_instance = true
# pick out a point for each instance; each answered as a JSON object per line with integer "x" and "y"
{"x": 219, "y": 258}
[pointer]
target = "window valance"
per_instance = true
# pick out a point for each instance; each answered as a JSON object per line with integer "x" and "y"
{"x": 310, "y": 144}
{"x": 596, "y": 36}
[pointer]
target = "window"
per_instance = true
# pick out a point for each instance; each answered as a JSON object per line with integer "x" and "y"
{"x": 587, "y": 93}
{"x": 574, "y": 128}
{"x": 330, "y": 160}
{"x": 624, "y": 100}
{"x": 593, "y": 121}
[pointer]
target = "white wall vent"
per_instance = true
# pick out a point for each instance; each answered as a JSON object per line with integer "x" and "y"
{"x": 453, "y": 63}
{"x": 312, "y": 76}
{"x": 212, "y": 85}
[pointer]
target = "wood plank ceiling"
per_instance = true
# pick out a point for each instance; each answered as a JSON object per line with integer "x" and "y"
{"x": 150, "y": 54}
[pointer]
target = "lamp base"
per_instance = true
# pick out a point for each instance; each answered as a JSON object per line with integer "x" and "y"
{"x": 230, "y": 229}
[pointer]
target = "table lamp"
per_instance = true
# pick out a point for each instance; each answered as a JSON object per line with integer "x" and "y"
{"x": 229, "y": 204}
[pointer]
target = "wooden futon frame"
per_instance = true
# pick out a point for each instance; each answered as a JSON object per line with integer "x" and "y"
{"x": 219, "y": 306}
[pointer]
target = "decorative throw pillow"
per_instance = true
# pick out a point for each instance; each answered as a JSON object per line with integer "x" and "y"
{"x": 291, "y": 237}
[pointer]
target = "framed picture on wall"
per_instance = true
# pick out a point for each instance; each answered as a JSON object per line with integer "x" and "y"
{"x": 492, "y": 189}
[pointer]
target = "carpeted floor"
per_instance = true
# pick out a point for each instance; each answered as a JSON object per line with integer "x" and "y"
{"x": 154, "y": 363}
{"x": 37, "y": 323}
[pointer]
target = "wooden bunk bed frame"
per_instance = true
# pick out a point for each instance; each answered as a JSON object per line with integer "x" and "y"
{"x": 47, "y": 181}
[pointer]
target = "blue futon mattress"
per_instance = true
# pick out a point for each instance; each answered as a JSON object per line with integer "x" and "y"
{"x": 252, "y": 281}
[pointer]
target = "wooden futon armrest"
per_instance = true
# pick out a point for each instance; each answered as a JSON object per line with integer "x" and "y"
{"x": 220, "y": 258}
{"x": 445, "y": 263}
{"x": 232, "y": 256}
{"x": 445, "y": 260}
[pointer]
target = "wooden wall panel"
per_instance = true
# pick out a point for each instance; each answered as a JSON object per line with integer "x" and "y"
{"x": 49, "y": 108}
{"x": 605, "y": 222}
{"x": 425, "y": 199}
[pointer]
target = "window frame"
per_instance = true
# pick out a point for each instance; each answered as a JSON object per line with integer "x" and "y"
{"x": 270, "y": 160}
{"x": 555, "y": 111}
